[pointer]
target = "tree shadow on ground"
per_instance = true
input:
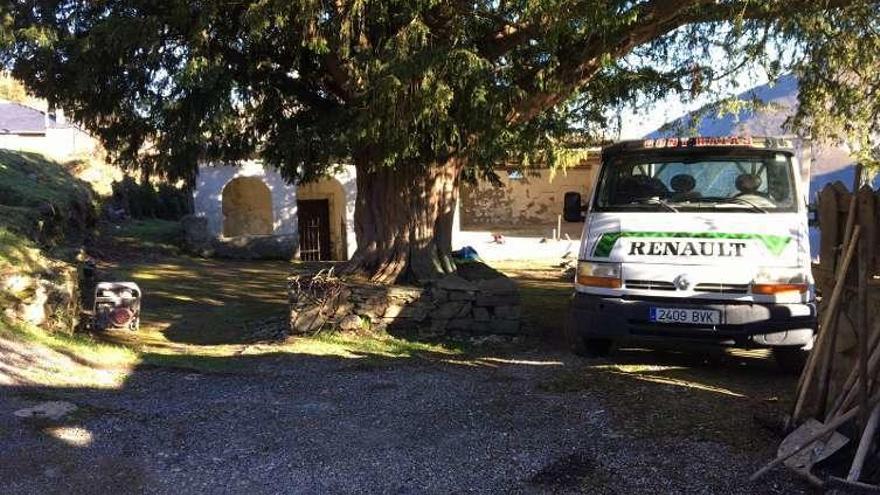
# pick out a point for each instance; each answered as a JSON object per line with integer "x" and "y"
{"x": 518, "y": 401}
{"x": 372, "y": 422}
{"x": 207, "y": 301}
{"x": 714, "y": 396}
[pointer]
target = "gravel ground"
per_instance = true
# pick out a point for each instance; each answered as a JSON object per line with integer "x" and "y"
{"x": 312, "y": 424}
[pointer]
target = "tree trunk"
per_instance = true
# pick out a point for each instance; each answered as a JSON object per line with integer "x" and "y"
{"x": 403, "y": 221}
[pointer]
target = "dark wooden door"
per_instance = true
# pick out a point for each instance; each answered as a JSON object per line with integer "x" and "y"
{"x": 314, "y": 229}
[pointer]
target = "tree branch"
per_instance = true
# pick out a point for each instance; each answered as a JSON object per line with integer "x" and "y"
{"x": 579, "y": 63}
{"x": 339, "y": 81}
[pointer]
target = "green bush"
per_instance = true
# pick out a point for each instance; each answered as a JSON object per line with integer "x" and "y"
{"x": 144, "y": 201}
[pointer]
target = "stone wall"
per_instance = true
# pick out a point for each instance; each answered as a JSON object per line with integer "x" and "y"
{"x": 451, "y": 306}
{"x": 198, "y": 240}
{"x": 47, "y": 298}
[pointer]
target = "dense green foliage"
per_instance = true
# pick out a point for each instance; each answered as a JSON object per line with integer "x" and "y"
{"x": 148, "y": 200}
{"x": 12, "y": 90}
{"x": 419, "y": 94}
{"x": 306, "y": 84}
{"x": 840, "y": 85}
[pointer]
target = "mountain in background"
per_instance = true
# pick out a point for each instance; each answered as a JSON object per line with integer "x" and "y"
{"x": 829, "y": 163}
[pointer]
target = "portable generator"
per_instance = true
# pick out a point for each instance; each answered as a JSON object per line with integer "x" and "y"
{"x": 117, "y": 305}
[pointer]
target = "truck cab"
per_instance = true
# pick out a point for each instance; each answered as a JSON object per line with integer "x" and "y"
{"x": 698, "y": 241}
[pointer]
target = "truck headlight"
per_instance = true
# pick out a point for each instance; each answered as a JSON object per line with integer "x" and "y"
{"x": 605, "y": 275}
{"x": 772, "y": 281}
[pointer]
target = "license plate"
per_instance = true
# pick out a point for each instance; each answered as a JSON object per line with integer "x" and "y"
{"x": 683, "y": 315}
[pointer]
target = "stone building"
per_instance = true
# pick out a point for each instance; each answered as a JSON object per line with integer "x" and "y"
{"x": 250, "y": 205}
{"x": 252, "y": 211}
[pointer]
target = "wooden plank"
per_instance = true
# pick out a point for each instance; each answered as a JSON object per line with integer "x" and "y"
{"x": 852, "y": 487}
{"x": 852, "y": 209}
{"x": 849, "y": 392}
{"x": 819, "y": 350}
{"x": 828, "y": 228}
{"x": 855, "y": 471}
{"x": 829, "y": 427}
{"x": 868, "y": 220}
{"x": 866, "y": 260}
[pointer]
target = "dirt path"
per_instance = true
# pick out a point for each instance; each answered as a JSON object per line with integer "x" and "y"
{"x": 305, "y": 420}
{"x": 310, "y": 424}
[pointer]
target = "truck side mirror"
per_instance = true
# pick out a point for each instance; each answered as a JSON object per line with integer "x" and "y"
{"x": 813, "y": 215}
{"x": 572, "y": 210}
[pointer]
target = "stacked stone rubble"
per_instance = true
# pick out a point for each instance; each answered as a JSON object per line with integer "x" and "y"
{"x": 451, "y": 306}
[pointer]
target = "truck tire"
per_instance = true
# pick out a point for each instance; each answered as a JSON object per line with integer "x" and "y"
{"x": 790, "y": 359}
{"x": 586, "y": 347}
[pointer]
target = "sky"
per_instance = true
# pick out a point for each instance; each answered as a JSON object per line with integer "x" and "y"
{"x": 637, "y": 124}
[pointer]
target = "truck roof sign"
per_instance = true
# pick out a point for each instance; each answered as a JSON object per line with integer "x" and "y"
{"x": 694, "y": 144}
{"x": 699, "y": 141}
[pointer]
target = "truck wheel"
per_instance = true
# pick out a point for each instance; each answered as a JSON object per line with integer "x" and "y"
{"x": 790, "y": 359}
{"x": 598, "y": 347}
{"x": 589, "y": 348}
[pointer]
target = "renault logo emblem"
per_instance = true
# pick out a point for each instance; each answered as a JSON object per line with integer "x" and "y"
{"x": 681, "y": 282}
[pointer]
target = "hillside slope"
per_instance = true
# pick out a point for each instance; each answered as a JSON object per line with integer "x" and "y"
{"x": 45, "y": 215}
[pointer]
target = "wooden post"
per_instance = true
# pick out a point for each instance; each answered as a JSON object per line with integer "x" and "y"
{"x": 822, "y": 340}
{"x": 855, "y": 471}
{"x": 866, "y": 223}
{"x": 851, "y": 213}
{"x": 828, "y": 228}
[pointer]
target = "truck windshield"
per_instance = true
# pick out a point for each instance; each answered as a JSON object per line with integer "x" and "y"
{"x": 760, "y": 182}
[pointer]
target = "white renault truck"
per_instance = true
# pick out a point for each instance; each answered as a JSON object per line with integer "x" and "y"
{"x": 695, "y": 241}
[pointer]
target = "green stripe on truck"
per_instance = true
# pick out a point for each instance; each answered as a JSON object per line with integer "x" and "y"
{"x": 774, "y": 243}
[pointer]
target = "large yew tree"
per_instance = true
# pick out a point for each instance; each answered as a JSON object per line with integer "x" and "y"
{"x": 417, "y": 94}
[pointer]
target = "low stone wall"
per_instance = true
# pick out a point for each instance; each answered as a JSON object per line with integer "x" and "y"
{"x": 198, "y": 240}
{"x": 47, "y": 298}
{"x": 451, "y": 306}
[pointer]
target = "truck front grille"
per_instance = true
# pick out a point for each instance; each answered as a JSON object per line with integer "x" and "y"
{"x": 650, "y": 285}
{"x": 723, "y": 288}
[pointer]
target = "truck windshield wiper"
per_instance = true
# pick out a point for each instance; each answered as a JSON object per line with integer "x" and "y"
{"x": 656, "y": 201}
{"x": 737, "y": 201}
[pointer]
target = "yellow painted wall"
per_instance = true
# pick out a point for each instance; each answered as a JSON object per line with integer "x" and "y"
{"x": 332, "y": 190}
{"x": 247, "y": 207}
{"x": 534, "y": 200}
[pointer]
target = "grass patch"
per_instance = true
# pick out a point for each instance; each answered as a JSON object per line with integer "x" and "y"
{"x": 19, "y": 254}
{"x": 150, "y": 234}
{"x": 382, "y": 345}
{"x": 201, "y": 363}
{"x": 83, "y": 348}
{"x": 545, "y": 295}
{"x": 32, "y": 180}
{"x": 40, "y": 199}
{"x": 366, "y": 351}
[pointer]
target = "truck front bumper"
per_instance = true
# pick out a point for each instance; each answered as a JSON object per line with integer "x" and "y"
{"x": 743, "y": 324}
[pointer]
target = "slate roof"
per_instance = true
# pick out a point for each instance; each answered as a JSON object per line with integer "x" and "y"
{"x": 20, "y": 119}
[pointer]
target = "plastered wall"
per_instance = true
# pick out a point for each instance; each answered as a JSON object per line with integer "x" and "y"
{"x": 60, "y": 144}
{"x": 522, "y": 200}
{"x": 341, "y": 188}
